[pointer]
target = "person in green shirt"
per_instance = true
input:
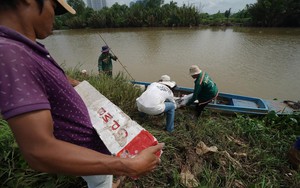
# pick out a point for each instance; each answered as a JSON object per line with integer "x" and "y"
{"x": 105, "y": 61}
{"x": 205, "y": 90}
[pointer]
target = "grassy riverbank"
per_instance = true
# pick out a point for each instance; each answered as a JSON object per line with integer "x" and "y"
{"x": 251, "y": 151}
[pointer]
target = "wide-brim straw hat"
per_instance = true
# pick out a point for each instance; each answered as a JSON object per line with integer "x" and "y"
{"x": 194, "y": 70}
{"x": 63, "y": 7}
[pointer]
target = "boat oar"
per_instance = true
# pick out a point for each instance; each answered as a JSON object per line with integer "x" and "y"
{"x": 117, "y": 59}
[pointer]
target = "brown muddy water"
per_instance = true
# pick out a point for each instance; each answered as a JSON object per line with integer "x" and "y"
{"x": 258, "y": 62}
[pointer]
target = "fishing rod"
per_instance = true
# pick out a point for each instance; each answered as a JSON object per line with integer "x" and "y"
{"x": 117, "y": 59}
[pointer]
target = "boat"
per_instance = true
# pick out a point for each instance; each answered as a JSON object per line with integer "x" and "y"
{"x": 233, "y": 103}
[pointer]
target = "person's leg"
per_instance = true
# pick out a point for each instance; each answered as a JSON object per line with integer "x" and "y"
{"x": 99, "y": 181}
{"x": 170, "y": 111}
{"x": 294, "y": 155}
{"x": 142, "y": 114}
{"x": 109, "y": 73}
{"x": 297, "y": 144}
{"x": 199, "y": 109}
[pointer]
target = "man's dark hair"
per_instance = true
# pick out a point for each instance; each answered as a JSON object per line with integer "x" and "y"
{"x": 12, "y": 4}
{"x": 8, "y": 4}
{"x": 41, "y": 4}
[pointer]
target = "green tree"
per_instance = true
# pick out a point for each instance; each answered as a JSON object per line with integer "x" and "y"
{"x": 78, "y": 5}
{"x": 274, "y": 13}
{"x": 170, "y": 14}
{"x": 188, "y": 16}
{"x": 292, "y": 15}
{"x": 118, "y": 14}
{"x": 97, "y": 20}
{"x": 242, "y": 17}
{"x": 150, "y": 4}
{"x": 135, "y": 15}
{"x": 227, "y": 13}
{"x": 87, "y": 13}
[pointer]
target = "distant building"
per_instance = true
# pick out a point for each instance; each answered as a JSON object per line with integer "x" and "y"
{"x": 96, "y": 4}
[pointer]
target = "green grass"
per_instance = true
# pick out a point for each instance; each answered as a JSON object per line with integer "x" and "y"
{"x": 251, "y": 150}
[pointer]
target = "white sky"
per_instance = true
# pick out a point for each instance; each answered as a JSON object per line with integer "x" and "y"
{"x": 209, "y": 6}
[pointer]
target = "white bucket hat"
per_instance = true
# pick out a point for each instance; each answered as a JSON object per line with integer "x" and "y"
{"x": 63, "y": 7}
{"x": 165, "y": 78}
{"x": 171, "y": 84}
{"x": 194, "y": 69}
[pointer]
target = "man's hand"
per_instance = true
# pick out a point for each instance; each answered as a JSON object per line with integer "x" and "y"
{"x": 72, "y": 81}
{"x": 146, "y": 161}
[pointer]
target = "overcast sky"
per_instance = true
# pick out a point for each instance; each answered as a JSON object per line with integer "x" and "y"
{"x": 209, "y": 6}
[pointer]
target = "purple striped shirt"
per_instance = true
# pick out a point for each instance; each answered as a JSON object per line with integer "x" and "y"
{"x": 31, "y": 80}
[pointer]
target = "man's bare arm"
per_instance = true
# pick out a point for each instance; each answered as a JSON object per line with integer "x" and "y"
{"x": 72, "y": 81}
{"x": 34, "y": 134}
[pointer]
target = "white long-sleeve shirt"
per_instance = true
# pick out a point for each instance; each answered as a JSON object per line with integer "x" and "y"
{"x": 152, "y": 100}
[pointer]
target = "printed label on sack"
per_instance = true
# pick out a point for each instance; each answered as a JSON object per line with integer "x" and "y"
{"x": 121, "y": 135}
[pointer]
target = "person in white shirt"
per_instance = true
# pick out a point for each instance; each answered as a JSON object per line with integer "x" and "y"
{"x": 159, "y": 98}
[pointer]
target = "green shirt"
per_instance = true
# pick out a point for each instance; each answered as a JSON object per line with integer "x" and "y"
{"x": 205, "y": 91}
{"x": 105, "y": 63}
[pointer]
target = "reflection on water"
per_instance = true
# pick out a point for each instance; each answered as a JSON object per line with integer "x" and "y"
{"x": 256, "y": 62}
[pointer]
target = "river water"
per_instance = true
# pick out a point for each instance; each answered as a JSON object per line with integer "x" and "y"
{"x": 258, "y": 62}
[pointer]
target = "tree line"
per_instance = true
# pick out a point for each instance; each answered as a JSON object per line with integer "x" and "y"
{"x": 154, "y": 13}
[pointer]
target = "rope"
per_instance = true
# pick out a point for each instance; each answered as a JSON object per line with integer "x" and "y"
{"x": 117, "y": 59}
